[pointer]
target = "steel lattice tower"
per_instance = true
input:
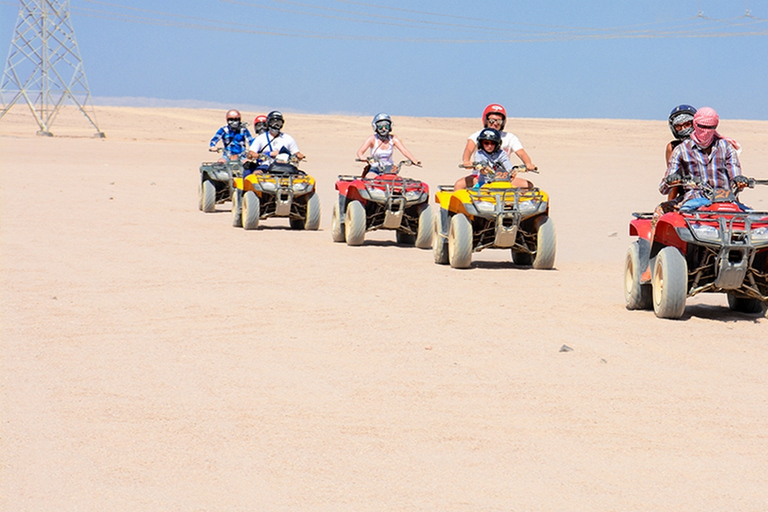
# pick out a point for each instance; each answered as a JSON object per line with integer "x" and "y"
{"x": 44, "y": 67}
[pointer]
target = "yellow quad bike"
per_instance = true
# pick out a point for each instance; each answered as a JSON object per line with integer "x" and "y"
{"x": 281, "y": 191}
{"x": 494, "y": 215}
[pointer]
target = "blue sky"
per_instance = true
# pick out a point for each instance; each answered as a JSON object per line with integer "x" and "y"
{"x": 540, "y": 58}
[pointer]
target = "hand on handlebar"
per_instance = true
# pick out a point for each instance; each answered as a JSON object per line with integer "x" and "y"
{"x": 215, "y": 150}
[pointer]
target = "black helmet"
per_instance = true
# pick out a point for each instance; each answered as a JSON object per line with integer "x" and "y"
{"x": 275, "y": 121}
{"x": 492, "y": 135}
{"x": 679, "y": 115}
{"x": 382, "y": 124}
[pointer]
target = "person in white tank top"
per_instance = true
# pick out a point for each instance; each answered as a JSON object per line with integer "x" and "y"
{"x": 382, "y": 145}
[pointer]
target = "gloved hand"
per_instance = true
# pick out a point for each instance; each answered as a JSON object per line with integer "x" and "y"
{"x": 741, "y": 182}
{"x": 674, "y": 179}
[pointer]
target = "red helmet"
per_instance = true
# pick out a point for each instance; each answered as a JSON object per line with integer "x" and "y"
{"x": 233, "y": 114}
{"x": 261, "y": 118}
{"x": 260, "y": 124}
{"x": 495, "y": 108}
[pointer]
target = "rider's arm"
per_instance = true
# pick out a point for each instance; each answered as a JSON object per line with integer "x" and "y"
{"x": 732, "y": 164}
{"x": 407, "y": 154}
{"x": 522, "y": 155}
{"x": 672, "y": 168}
{"x": 216, "y": 138}
{"x": 466, "y": 158}
{"x": 368, "y": 144}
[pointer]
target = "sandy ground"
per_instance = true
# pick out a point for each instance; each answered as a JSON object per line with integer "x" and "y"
{"x": 154, "y": 358}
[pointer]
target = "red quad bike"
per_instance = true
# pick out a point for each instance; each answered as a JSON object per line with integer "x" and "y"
{"x": 387, "y": 201}
{"x": 718, "y": 248}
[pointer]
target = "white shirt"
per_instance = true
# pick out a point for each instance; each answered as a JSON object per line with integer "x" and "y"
{"x": 509, "y": 142}
{"x": 283, "y": 140}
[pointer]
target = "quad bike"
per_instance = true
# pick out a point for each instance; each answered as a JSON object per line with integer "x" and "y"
{"x": 386, "y": 201}
{"x": 281, "y": 191}
{"x": 721, "y": 247}
{"x": 216, "y": 180}
{"x": 494, "y": 215}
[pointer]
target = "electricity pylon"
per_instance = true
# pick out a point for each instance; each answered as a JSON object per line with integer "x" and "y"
{"x": 44, "y": 67}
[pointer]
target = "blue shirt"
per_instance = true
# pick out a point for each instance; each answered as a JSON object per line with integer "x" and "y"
{"x": 235, "y": 142}
{"x": 498, "y": 161}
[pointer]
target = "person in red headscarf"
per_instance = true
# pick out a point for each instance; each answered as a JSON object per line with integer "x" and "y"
{"x": 706, "y": 156}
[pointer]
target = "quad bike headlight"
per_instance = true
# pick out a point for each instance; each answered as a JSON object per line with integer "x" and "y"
{"x": 528, "y": 206}
{"x": 760, "y": 234}
{"x": 268, "y": 186}
{"x": 706, "y": 232}
{"x": 485, "y": 207}
{"x": 377, "y": 194}
{"x": 300, "y": 187}
{"x": 413, "y": 195}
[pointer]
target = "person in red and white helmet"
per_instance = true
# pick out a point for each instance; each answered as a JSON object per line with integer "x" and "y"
{"x": 495, "y": 116}
{"x": 259, "y": 125}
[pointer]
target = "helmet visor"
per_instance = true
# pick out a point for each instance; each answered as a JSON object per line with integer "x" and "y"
{"x": 275, "y": 124}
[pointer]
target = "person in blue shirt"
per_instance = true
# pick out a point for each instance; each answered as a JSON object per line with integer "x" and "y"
{"x": 234, "y": 136}
{"x": 489, "y": 152}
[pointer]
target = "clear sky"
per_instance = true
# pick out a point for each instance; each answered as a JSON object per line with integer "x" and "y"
{"x": 446, "y": 58}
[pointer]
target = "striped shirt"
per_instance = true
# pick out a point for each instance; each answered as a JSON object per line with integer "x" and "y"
{"x": 235, "y": 142}
{"x": 718, "y": 168}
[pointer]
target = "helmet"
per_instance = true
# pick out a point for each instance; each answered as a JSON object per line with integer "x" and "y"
{"x": 495, "y": 108}
{"x": 490, "y": 134}
{"x": 679, "y": 115}
{"x": 275, "y": 121}
{"x": 382, "y": 124}
{"x": 233, "y": 118}
{"x": 260, "y": 124}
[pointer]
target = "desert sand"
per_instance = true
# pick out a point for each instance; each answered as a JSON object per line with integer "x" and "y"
{"x": 154, "y": 358}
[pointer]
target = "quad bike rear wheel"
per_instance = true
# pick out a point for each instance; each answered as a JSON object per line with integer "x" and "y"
{"x": 425, "y": 230}
{"x": 337, "y": 229}
{"x": 460, "y": 242}
{"x": 251, "y": 210}
{"x": 237, "y": 207}
{"x": 744, "y": 304}
{"x": 439, "y": 244}
{"x": 636, "y": 294}
{"x": 312, "y": 220}
{"x": 670, "y": 283}
{"x": 354, "y": 223}
{"x": 546, "y": 243}
{"x": 207, "y": 196}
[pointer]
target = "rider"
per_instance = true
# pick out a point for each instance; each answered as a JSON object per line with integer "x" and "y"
{"x": 495, "y": 116}
{"x": 681, "y": 126}
{"x": 382, "y": 144}
{"x": 259, "y": 124}
{"x": 235, "y": 136}
{"x": 489, "y": 152}
{"x": 271, "y": 143}
{"x": 706, "y": 156}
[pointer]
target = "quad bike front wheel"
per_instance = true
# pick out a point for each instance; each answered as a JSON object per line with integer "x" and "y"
{"x": 546, "y": 243}
{"x": 354, "y": 223}
{"x": 425, "y": 230}
{"x": 460, "y": 242}
{"x": 744, "y": 304}
{"x": 237, "y": 206}
{"x": 312, "y": 220}
{"x": 439, "y": 243}
{"x": 670, "y": 283}
{"x": 207, "y": 196}
{"x": 251, "y": 210}
{"x": 636, "y": 294}
{"x": 337, "y": 229}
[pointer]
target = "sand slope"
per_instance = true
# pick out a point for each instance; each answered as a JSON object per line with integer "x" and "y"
{"x": 155, "y": 358}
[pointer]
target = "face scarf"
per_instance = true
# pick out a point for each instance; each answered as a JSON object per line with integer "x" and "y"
{"x": 705, "y": 129}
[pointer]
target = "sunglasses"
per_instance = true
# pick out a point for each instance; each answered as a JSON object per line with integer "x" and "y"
{"x": 497, "y": 122}
{"x": 705, "y": 127}
{"x": 384, "y": 124}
